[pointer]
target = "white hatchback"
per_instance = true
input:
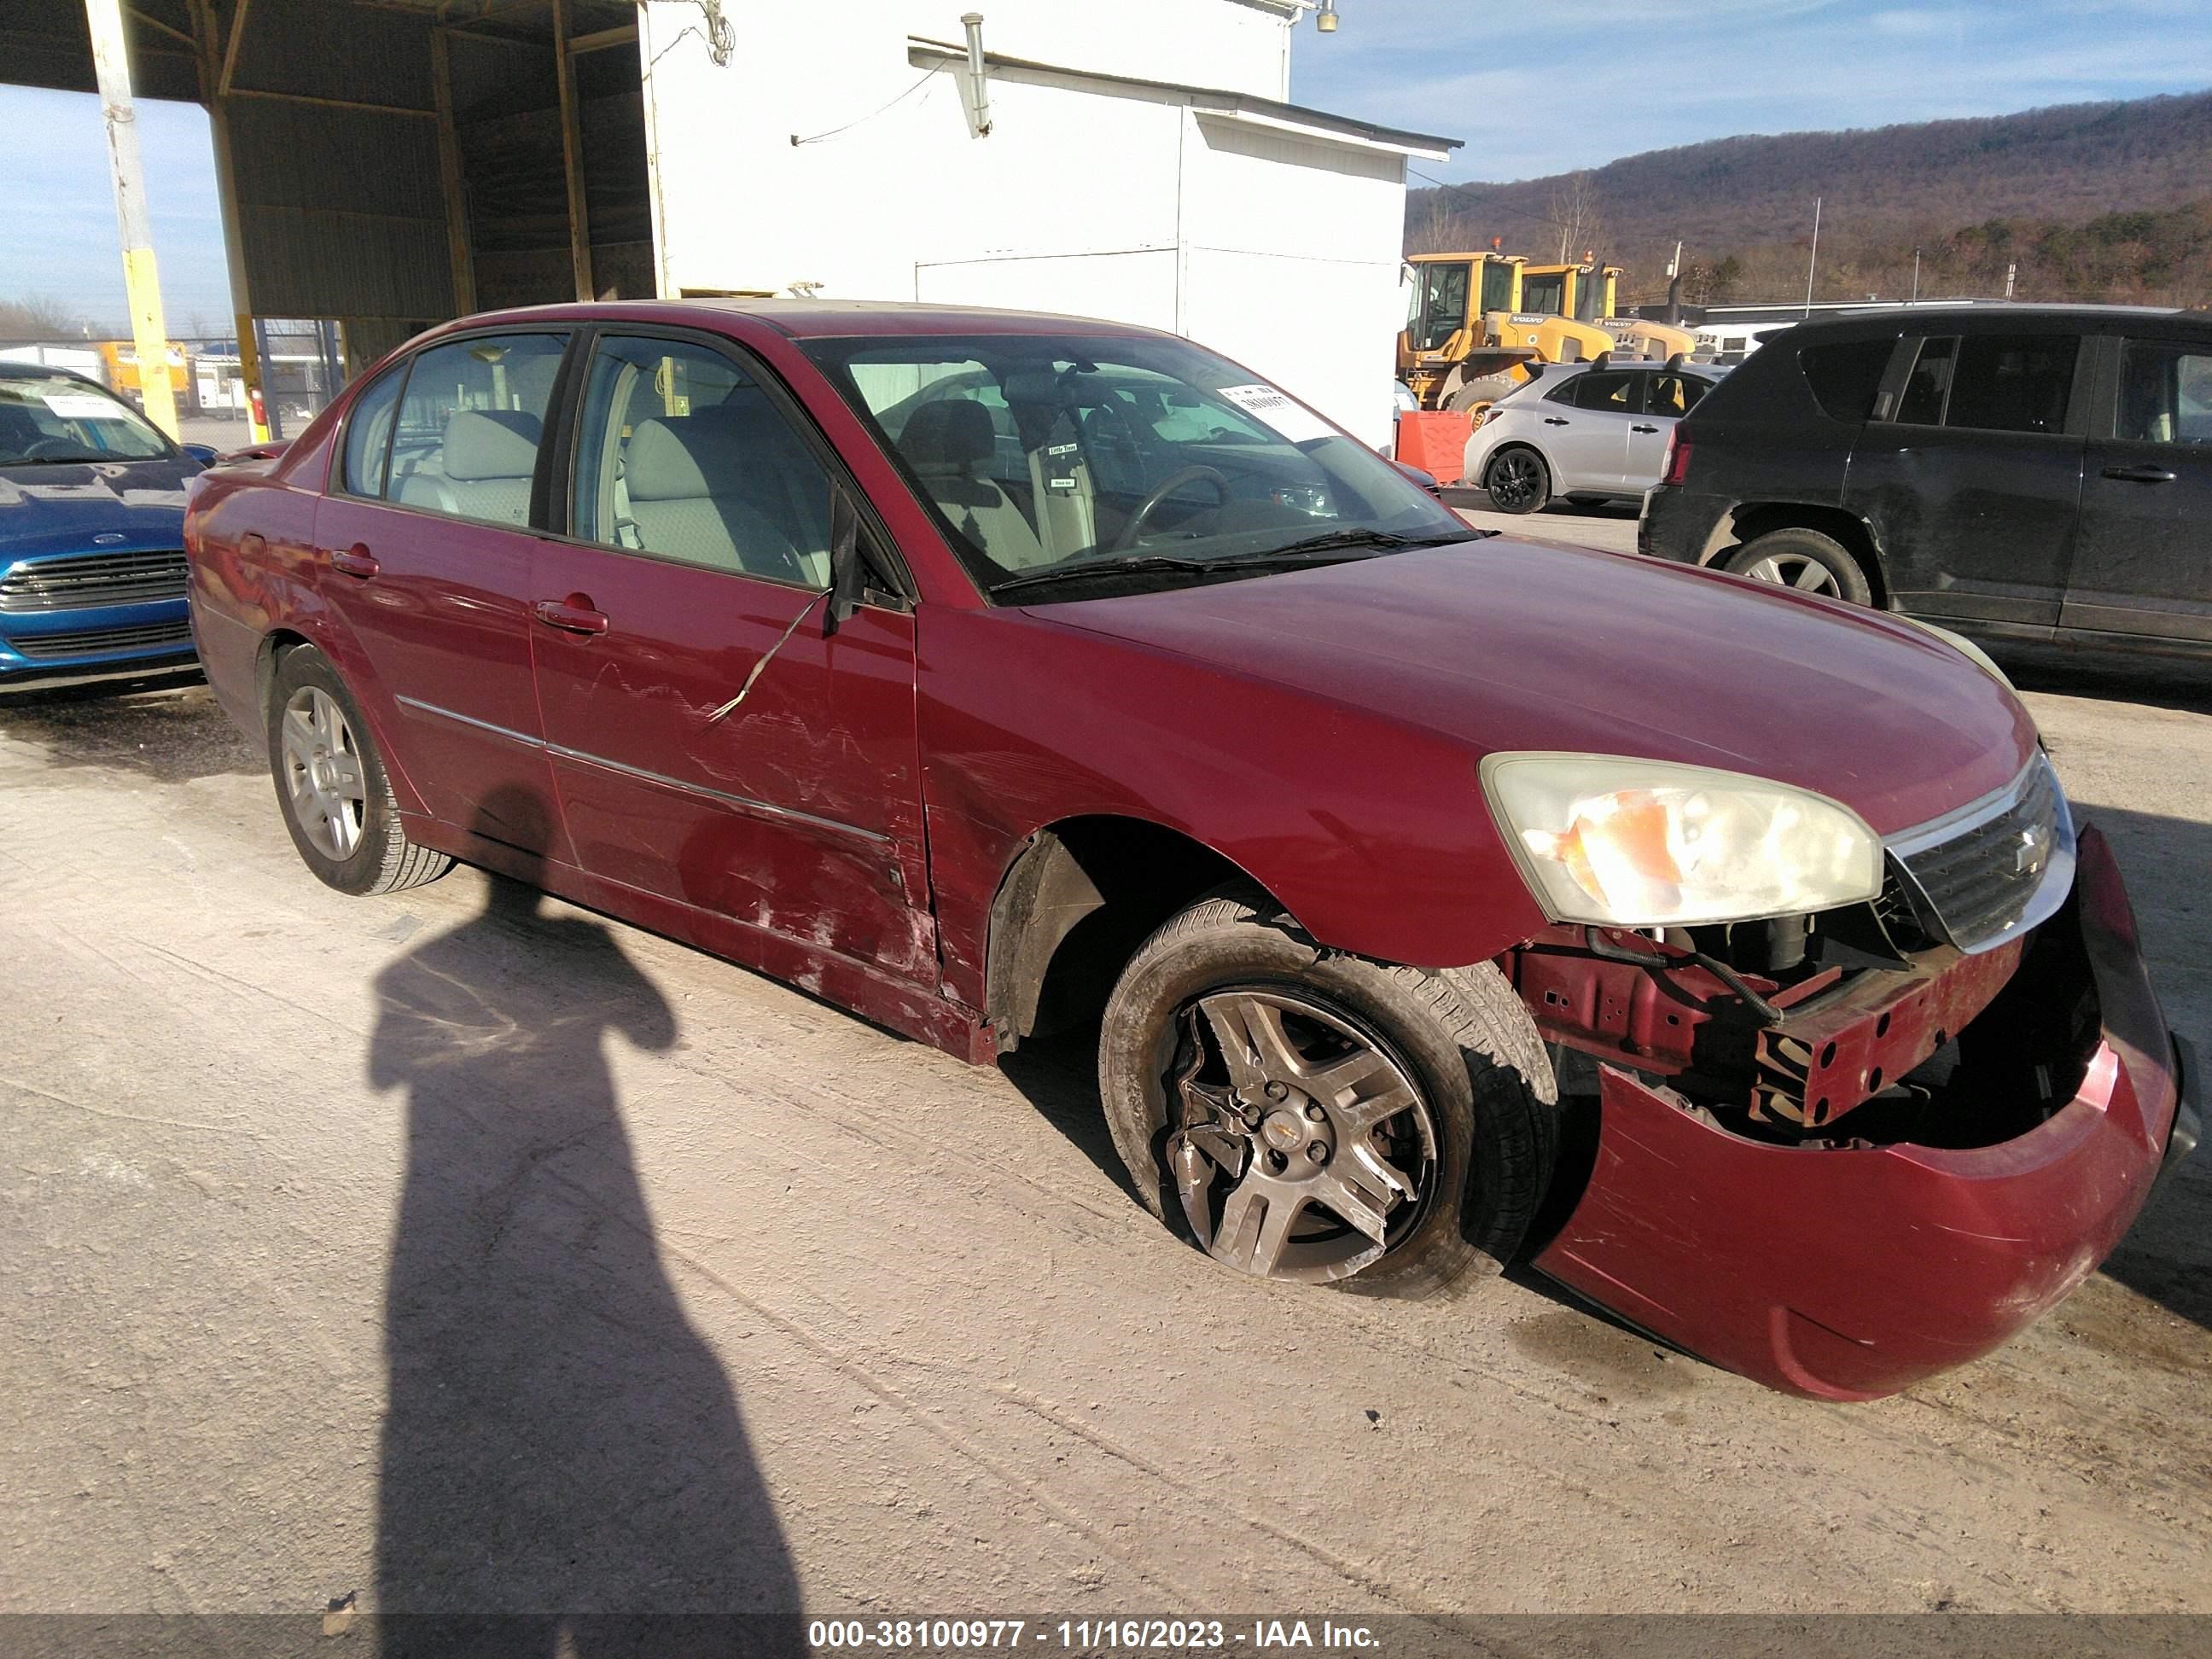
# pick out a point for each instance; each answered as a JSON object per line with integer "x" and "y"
{"x": 1595, "y": 431}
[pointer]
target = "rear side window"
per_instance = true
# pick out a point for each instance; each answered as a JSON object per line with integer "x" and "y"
{"x": 369, "y": 435}
{"x": 1606, "y": 393}
{"x": 1845, "y": 374}
{"x": 2013, "y": 382}
{"x": 470, "y": 425}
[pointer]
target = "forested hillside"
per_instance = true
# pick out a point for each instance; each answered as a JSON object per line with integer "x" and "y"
{"x": 2110, "y": 201}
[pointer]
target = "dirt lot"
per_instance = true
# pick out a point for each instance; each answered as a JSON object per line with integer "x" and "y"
{"x": 698, "y": 1293}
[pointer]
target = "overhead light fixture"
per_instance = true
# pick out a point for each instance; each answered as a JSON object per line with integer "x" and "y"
{"x": 1325, "y": 18}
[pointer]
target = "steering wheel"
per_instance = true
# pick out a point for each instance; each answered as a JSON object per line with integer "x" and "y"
{"x": 1167, "y": 487}
{"x": 48, "y": 449}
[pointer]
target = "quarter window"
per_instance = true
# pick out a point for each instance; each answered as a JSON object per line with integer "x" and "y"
{"x": 1929, "y": 385}
{"x": 683, "y": 455}
{"x": 465, "y": 444}
{"x": 1845, "y": 374}
{"x": 369, "y": 435}
{"x": 2166, "y": 394}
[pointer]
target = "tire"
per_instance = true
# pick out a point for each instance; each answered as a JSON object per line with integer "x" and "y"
{"x": 1804, "y": 560}
{"x": 332, "y": 787}
{"x": 1517, "y": 480}
{"x": 1480, "y": 393}
{"x": 1459, "y": 1039}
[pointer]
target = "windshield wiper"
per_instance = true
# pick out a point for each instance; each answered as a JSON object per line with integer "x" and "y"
{"x": 1382, "y": 541}
{"x": 1313, "y": 552}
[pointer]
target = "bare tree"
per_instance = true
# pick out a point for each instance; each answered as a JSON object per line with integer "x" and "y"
{"x": 34, "y": 317}
{"x": 1581, "y": 222}
{"x": 1435, "y": 227}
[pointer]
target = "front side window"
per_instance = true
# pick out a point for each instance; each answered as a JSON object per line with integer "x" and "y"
{"x": 682, "y": 454}
{"x": 1050, "y": 458}
{"x": 470, "y": 423}
{"x": 2013, "y": 382}
{"x": 2166, "y": 393}
{"x": 1675, "y": 395}
{"x": 49, "y": 420}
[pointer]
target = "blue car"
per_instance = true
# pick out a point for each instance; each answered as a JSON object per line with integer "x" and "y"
{"x": 92, "y": 510}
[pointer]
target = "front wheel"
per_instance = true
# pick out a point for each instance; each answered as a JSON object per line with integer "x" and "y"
{"x": 1305, "y": 1115}
{"x": 1805, "y": 560}
{"x": 332, "y": 785}
{"x": 1518, "y": 481}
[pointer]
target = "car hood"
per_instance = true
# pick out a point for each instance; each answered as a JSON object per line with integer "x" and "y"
{"x": 1506, "y": 645}
{"x": 57, "y": 509}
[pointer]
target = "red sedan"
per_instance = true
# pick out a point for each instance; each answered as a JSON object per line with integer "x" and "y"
{"x": 1436, "y": 898}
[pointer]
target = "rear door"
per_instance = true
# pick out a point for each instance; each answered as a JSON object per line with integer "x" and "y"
{"x": 716, "y": 743}
{"x": 1971, "y": 473}
{"x": 1667, "y": 398}
{"x": 1584, "y": 429}
{"x": 425, "y": 546}
{"x": 2143, "y": 556}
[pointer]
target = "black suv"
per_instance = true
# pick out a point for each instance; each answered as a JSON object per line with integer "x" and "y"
{"x": 2029, "y": 473}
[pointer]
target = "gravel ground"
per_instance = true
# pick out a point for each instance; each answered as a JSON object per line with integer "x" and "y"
{"x": 696, "y": 1292}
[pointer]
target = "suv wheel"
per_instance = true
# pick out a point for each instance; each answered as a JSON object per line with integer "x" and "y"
{"x": 1805, "y": 560}
{"x": 330, "y": 783}
{"x": 1305, "y": 1114}
{"x": 1517, "y": 480}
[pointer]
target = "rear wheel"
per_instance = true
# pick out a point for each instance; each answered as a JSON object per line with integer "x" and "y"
{"x": 1305, "y": 1115}
{"x": 1805, "y": 560}
{"x": 330, "y": 783}
{"x": 1517, "y": 480}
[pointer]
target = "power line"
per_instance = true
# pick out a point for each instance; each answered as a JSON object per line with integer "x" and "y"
{"x": 1522, "y": 213}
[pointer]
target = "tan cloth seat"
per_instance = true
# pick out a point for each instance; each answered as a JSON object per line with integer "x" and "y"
{"x": 943, "y": 442}
{"x": 687, "y": 489}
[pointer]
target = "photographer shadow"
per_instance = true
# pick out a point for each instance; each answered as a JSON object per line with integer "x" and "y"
{"x": 564, "y": 1468}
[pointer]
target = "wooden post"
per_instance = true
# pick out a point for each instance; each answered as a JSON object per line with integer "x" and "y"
{"x": 572, "y": 155}
{"x": 461, "y": 255}
{"x": 141, "y": 284}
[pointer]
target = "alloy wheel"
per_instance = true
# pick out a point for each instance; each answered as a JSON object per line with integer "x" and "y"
{"x": 1302, "y": 1148}
{"x": 325, "y": 782}
{"x": 1807, "y": 575}
{"x": 1514, "y": 479}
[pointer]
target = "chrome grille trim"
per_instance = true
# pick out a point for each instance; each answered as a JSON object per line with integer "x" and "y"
{"x": 92, "y": 641}
{"x": 83, "y": 581}
{"x": 1963, "y": 874}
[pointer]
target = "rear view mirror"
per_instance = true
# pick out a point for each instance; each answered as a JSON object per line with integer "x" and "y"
{"x": 1427, "y": 481}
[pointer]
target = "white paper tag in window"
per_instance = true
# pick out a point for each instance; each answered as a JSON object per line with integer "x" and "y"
{"x": 1285, "y": 415}
{"x": 80, "y": 406}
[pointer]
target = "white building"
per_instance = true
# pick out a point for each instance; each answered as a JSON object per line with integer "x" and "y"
{"x": 1136, "y": 161}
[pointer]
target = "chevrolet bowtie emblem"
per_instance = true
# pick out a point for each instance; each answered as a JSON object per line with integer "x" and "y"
{"x": 2029, "y": 857}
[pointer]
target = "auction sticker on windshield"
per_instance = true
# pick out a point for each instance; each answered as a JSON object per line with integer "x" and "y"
{"x": 80, "y": 406}
{"x": 1264, "y": 403}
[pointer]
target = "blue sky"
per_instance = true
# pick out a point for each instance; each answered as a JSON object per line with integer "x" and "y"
{"x": 1532, "y": 90}
{"x": 1543, "y": 89}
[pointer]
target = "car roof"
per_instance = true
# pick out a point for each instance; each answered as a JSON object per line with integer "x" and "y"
{"x": 1987, "y": 319}
{"x": 816, "y": 319}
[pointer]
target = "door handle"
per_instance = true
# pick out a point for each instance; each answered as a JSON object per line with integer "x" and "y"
{"x": 1555, "y": 420}
{"x": 354, "y": 561}
{"x": 573, "y": 615}
{"x": 1643, "y": 428}
{"x": 2140, "y": 474}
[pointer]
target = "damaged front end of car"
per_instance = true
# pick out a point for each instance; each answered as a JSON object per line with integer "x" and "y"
{"x": 1842, "y": 1149}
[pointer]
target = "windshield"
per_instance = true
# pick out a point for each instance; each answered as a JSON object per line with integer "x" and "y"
{"x": 1051, "y": 458}
{"x": 48, "y": 419}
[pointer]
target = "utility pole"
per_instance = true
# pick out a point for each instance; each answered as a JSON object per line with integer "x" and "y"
{"x": 141, "y": 286}
{"x": 1813, "y": 263}
{"x": 1916, "y": 275}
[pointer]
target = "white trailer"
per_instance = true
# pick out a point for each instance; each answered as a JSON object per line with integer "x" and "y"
{"x": 1139, "y": 161}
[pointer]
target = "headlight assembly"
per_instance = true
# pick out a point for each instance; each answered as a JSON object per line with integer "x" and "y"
{"x": 1622, "y": 842}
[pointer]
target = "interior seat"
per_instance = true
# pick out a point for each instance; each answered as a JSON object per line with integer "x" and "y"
{"x": 688, "y": 497}
{"x": 943, "y": 442}
{"x": 775, "y": 474}
{"x": 484, "y": 467}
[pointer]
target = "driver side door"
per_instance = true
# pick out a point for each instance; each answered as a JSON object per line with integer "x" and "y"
{"x": 716, "y": 744}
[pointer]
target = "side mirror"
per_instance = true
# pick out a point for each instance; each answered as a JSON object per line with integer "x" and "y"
{"x": 1427, "y": 481}
{"x": 848, "y": 576}
{"x": 204, "y": 454}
